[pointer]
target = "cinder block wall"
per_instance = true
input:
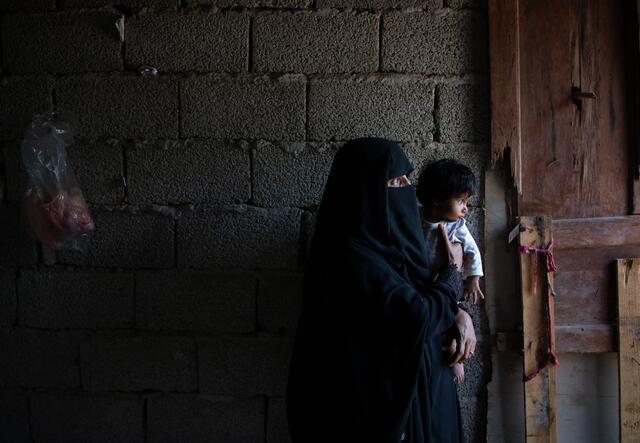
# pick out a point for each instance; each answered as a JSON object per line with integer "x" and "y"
{"x": 203, "y": 181}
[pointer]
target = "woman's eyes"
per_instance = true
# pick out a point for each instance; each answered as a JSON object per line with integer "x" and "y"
{"x": 398, "y": 182}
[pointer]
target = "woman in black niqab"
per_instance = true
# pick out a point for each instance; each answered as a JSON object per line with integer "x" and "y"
{"x": 367, "y": 364}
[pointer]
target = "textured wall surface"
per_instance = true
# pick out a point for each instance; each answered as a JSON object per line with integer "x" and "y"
{"x": 177, "y": 323}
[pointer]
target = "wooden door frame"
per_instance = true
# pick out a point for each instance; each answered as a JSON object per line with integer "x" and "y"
{"x": 506, "y": 143}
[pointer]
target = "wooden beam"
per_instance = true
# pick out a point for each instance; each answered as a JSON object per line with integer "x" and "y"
{"x": 603, "y": 232}
{"x": 633, "y": 105}
{"x": 629, "y": 354}
{"x": 540, "y": 392}
{"x": 504, "y": 70}
{"x": 573, "y": 339}
{"x": 585, "y": 339}
{"x": 586, "y": 251}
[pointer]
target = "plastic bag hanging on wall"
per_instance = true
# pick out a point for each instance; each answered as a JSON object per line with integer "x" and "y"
{"x": 54, "y": 204}
{"x": 120, "y": 27}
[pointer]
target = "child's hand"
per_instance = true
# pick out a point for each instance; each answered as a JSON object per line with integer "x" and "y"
{"x": 472, "y": 292}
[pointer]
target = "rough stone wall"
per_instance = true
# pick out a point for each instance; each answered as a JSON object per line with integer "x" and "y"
{"x": 203, "y": 182}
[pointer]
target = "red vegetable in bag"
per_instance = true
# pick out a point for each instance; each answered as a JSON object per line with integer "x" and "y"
{"x": 54, "y": 204}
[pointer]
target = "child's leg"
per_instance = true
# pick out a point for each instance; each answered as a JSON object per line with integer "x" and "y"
{"x": 458, "y": 373}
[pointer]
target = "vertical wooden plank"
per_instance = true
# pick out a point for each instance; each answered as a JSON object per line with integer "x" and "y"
{"x": 633, "y": 48}
{"x": 504, "y": 67}
{"x": 635, "y": 202}
{"x": 540, "y": 392}
{"x": 629, "y": 355}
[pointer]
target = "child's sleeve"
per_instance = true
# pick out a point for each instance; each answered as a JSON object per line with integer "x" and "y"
{"x": 472, "y": 262}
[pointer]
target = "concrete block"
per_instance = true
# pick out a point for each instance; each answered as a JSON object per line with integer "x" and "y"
{"x": 17, "y": 247}
{"x": 97, "y": 166}
{"x": 394, "y": 108}
{"x": 98, "y": 169}
{"x": 21, "y": 98}
{"x": 290, "y": 4}
{"x": 259, "y": 3}
{"x": 380, "y": 4}
{"x": 195, "y": 301}
{"x": 239, "y": 237}
{"x": 15, "y": 173}
{"x": 202, "y": 418}
{"x": 61, "y": 42}
{"x": 153, "y": 4}
{"x": 452, "y": 42}
{"x": 290, "y": 174}
{"x": 284, "y": 4}
{"x": 304, "y": 42}
{"x": 189, "y": 41}
{"x": 474, "y": 413}
{"x": 464, "y": 112}
{"x": 14, "y": 417}
{"x": 479, "y": 315}
{"x": 27, "y": 5}
{"x": 39, "y": 359}
{"x": 308, "y": 230}
{"x": 121, "y": 106}
{"x": 475, "y": 223}
{"x": 8, "y": 298}
{"x": 127, "y": 239}
{"x": 244, "y": 107}
{"x": 244, "y": 366}
{"x": 76, "y": 299}
{"x": 467, "y": 4}
{"x": 136, "y": 363}
{"x": 475, "y": 157}
{"x": 277, "y": 427}
{"x": 192, "y": 171}
{"x": 477, "y": 371}
{"x": 74, "y": 417}
{"x": 279, "y": 301}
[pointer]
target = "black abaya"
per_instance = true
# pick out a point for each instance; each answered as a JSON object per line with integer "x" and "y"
{"x": 367, "y": 364}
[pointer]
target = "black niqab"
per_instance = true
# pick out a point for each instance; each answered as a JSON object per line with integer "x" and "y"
{"x": 367, "y": 348}
{"x": 357, "y": 203}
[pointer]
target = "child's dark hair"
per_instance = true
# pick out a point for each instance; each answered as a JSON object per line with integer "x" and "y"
{"x": 444, "y": 179}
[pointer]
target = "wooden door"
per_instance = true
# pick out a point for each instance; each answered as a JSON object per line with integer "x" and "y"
{"x": 577, "y": 148}
{"x": 573, "y": 158}
{"x": 564, "y": 101}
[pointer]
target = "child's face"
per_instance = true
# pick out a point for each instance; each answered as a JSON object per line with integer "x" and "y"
{"x": 454, "y": 208}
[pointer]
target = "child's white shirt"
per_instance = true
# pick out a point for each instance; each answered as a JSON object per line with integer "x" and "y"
{"x": 458, "y": 232}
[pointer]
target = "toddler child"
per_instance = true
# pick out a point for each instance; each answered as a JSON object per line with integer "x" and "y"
{"x": 444, "y": 189}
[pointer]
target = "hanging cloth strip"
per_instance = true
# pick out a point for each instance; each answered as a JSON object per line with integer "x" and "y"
{"x": 551, "y": 356}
